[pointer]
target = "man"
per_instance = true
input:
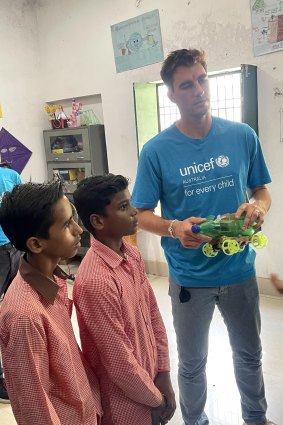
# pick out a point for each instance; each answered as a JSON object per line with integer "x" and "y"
{"x": 9, "y": 255}
{"x": 202, "y": 166}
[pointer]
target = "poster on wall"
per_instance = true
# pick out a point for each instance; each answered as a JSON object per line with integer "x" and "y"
{"x": 137, "y": 42}
{"x": 267, "y": 26}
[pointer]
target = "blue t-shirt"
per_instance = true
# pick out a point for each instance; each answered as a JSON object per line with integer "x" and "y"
{"x": 8, "y": 179}
{"x": 201, "y": 177}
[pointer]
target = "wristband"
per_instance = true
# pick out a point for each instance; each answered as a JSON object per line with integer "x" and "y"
{"x": 170, "y": 228}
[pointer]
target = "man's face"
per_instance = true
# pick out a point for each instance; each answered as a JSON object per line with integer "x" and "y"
{"x": 190, "y": 91}
{"x": 120, "y": 217}
{"x": 64, "y": 234}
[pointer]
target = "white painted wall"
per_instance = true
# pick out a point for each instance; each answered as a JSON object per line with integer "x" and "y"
{"x": 19, "y": 81}
{"x": 75, "y": 58}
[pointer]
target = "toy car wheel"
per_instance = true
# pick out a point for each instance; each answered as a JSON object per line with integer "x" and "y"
{"x": 208, "y": 250}
{"x": 259, "y": 240}
{"x": 230, "y": 247}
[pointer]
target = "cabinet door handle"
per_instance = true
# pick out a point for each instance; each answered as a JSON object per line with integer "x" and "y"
{"x": 80, "y": 157}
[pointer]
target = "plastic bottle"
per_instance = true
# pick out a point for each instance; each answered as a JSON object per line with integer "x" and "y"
{"x": 223, "y": 227}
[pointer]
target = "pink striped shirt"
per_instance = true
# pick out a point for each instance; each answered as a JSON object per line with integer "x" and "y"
{"x": 122, "y": 332}
{"x": 48, "y": 380}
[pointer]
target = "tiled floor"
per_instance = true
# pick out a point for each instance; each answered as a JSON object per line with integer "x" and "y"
{"x": 223, "y": 405}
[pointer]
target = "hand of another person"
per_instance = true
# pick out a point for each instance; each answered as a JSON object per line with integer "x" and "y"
{"x": 183, "y": 232}
{"x": 163, "y": 383}
{"x": 253, "y": 213}
{"x": 277, "y": 282}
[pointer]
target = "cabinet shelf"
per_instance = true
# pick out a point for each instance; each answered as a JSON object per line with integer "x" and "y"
{"x": 73, "y": 154}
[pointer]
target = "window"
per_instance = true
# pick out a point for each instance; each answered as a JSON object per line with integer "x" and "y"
{"x": 225, "y": 91}
{"x": 233, "y": 96}
{"x": 168, "y": 111}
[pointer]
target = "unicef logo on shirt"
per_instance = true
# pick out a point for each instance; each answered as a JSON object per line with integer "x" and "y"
{"x": 222, "y": 161}
{"x": 203, "y": 167}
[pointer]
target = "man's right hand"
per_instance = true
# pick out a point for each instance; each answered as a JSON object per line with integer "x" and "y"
{"x": 183, "y": 232}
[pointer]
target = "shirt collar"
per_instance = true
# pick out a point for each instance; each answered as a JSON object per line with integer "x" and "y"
{"x": 108, "y": 255}
{"x": 38, "y": 281}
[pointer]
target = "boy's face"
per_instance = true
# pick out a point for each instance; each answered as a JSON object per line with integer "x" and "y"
{"x": 64, "y": 234}
{"x": 120, "y": 217}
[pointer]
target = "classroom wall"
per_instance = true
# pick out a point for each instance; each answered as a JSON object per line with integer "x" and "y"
{"x": 20, "y": 81}
{"x": 70, "y": 53}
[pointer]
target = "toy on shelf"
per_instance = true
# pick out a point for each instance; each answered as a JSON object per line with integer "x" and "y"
{"x": 56, "y": 121}
{"x": 76, "y": 111}
{"x": 228, "y": 236}
{"x": 62, "y": 117}
{"x": 77, "y": 117}
{"x": 88, "y": 117}
{"x": 51, "y": 109}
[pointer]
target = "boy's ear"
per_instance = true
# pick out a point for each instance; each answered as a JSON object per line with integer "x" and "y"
{"x": 96, "y": 221}
{"x": 34, "y": 245}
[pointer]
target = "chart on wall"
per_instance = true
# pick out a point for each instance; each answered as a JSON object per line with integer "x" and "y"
{"x": 267, "y": 26}
{"x": 137, "y": 42}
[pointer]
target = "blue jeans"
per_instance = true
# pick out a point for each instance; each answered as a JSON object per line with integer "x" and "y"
{"x": 239, "y": 307}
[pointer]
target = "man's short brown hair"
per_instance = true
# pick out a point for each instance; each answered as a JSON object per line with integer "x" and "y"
{"x": 182, "y": 57}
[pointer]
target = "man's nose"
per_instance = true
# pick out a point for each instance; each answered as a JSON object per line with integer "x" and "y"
{"x": 198, "y": 89}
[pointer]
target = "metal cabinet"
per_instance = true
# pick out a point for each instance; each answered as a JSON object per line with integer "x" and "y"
{"x": 73, "y": 154}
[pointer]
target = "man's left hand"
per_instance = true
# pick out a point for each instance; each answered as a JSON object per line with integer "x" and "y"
{"x": 252, "y": 213}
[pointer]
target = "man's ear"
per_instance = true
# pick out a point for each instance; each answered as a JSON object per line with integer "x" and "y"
{"x": 34, "y": 245}
{"x": 171, "y": 96}
{"x": 96, "y": 221}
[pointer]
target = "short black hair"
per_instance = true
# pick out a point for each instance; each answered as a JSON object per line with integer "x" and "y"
{"x": 27, "y": 211}
{"x": 182, "y": 57}
{"x": 94, "y": 193}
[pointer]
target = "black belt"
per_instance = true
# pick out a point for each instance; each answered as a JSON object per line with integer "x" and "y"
{"x": 6, "y": 247}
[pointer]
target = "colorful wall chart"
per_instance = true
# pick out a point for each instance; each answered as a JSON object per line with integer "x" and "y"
{"x": 137, "y": 42}
{"x": 267, "y": 26}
